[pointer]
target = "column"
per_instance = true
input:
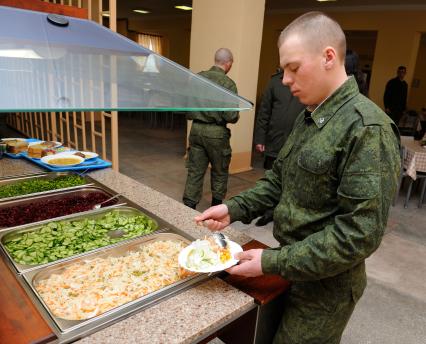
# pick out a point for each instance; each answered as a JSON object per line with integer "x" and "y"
{"x": 236, "y": 25}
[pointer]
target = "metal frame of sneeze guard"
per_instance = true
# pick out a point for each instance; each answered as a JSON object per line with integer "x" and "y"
{"x": 83, "y": 66}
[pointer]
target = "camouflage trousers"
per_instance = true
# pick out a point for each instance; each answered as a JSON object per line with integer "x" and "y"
{"x": 202, "y": 151}
{"x": 317, "y": 312}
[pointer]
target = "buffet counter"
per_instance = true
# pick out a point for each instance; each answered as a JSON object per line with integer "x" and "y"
{"x": 190, "y": 316}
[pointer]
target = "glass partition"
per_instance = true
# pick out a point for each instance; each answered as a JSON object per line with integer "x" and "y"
{"x": 78, "y": 65}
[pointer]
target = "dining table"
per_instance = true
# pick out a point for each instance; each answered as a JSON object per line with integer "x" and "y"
{"x": 414, "y": 157}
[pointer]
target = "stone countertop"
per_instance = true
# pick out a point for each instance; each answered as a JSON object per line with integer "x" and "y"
{"x": 183, "y": 318}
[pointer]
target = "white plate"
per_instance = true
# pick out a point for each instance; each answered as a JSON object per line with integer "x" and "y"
{"x": 89, "y": 155}
{"x": 13, "y": 139}
{"x": 233, "y": 247}
{"x": 48, "y": 158}
{"x": 57, "y": 144}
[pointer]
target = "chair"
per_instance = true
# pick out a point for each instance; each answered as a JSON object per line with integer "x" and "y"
{"x": 422, "y": 193}
{"x": 419, "y": 176}
{"x": 402, "y": 173}
{"x": 409, "y": 124}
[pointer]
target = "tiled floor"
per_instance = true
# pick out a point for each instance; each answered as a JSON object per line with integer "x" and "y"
{"x": 393, "y": 308}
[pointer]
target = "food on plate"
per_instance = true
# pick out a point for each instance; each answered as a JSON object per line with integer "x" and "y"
{"x": 86, "y": 289}
{"x": 207, "y": 253}
{"x": 16, "y": 146}
{"x": 62, "y": 239}
{"x": 80, "y": 154}
{"x": 48, "y": 151}
{"x": 36, "y": 150}
{"x": 64, "y": 161}
{"x": 39, "y": 185}
{"x": 44, "y": 209}
{"x": 86, "y": 155}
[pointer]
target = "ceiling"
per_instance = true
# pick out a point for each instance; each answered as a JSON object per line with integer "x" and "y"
{"x": 166, "y": 7}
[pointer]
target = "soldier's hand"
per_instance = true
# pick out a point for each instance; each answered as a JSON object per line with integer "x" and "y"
{"x": 260, "y": 148}
{"x": 250, "y": 264}
{"x": 215, "y": 218}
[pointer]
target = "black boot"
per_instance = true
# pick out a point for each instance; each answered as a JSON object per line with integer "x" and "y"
{"x": 216, "y": 201}
{"x": 265, "y": 219}
{"x": 189, "y": 204}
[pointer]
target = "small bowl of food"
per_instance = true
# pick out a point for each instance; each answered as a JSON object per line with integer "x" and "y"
{"x": 62, "y": 160}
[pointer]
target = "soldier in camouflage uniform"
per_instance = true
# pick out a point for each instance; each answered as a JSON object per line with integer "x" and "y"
{"x": 209, "y": 139}
{"x": 332, "y": 186}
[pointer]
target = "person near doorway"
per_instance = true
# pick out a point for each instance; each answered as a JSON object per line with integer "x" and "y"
{"x": 395, "y": 96}
{"x": 332, "y": 186}
{"x": 209, "y": 139}
{"x": 351, "y": 67}
{"x": 277, "y": 112}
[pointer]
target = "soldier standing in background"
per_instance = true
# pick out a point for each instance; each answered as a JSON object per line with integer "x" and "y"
{"x": 275, "y": 119}
{"x": 209, "y": 139}
{"x": 332, "y": 185}
{"x": 395, "y": 97}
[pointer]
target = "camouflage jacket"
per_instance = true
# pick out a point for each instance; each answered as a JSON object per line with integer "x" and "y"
{"x": 332, "y": 186}
{"x": 221, "y": 118}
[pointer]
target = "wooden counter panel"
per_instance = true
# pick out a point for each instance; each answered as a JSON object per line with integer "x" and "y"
{"x": 20, "y": 320}
{"x": 41, "y": 6}
{"x": 263, "y": 288}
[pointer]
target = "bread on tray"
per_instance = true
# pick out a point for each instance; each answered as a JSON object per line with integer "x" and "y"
{"x": 16, "y": 146}
{"x": 36, "y": 150}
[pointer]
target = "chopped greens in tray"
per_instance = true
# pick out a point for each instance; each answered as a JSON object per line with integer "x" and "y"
{"x": 40, "y": 185}
{"x": 62, "y": 239}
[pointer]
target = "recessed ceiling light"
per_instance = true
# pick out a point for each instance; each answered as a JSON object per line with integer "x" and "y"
{"x": 105, "y": 14}
{"x": 185, "y": 8}
{"x": 141, "y": 11}
{"x": 326, "y": 0}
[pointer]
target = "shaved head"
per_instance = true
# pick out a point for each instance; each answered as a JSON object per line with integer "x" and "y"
{"x": 222, "y": 56}
{"x": 318, "y": 31}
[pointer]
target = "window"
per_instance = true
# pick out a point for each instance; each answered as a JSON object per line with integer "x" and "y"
{"x": 151, "y": 42}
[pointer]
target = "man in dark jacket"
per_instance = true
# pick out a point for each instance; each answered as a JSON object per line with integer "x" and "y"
{"x": 209, "y": 139}
{"x": 395, "y": 97}
{"x": 274, "y": 122}
{"x": 351, "y": 66}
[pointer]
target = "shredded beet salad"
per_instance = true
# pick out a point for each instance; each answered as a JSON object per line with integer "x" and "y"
{"x": 47, "y": 209}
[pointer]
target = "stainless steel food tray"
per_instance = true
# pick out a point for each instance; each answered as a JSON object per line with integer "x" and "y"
{"x": 71, "y": 330}
{"x": 84, "y": 190}
{"x": 9, "y": 233}
{"x": 47, "y": 175}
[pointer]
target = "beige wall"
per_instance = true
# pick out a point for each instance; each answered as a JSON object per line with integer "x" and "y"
{"x": 397, "y": 43}
{"x": 418, "y": 94}
{"x": 239, "y": 28}
{"x": 175, "y": 31}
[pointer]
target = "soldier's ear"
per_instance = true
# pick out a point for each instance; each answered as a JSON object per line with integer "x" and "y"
{"x": 329, "y": 56}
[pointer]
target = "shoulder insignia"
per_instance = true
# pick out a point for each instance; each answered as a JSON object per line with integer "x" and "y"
{"x": 371, "y": 114}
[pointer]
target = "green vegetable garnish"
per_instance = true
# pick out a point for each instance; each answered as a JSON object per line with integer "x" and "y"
{"x": 57, "y": 240}
{"x": 40, "y": 185}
